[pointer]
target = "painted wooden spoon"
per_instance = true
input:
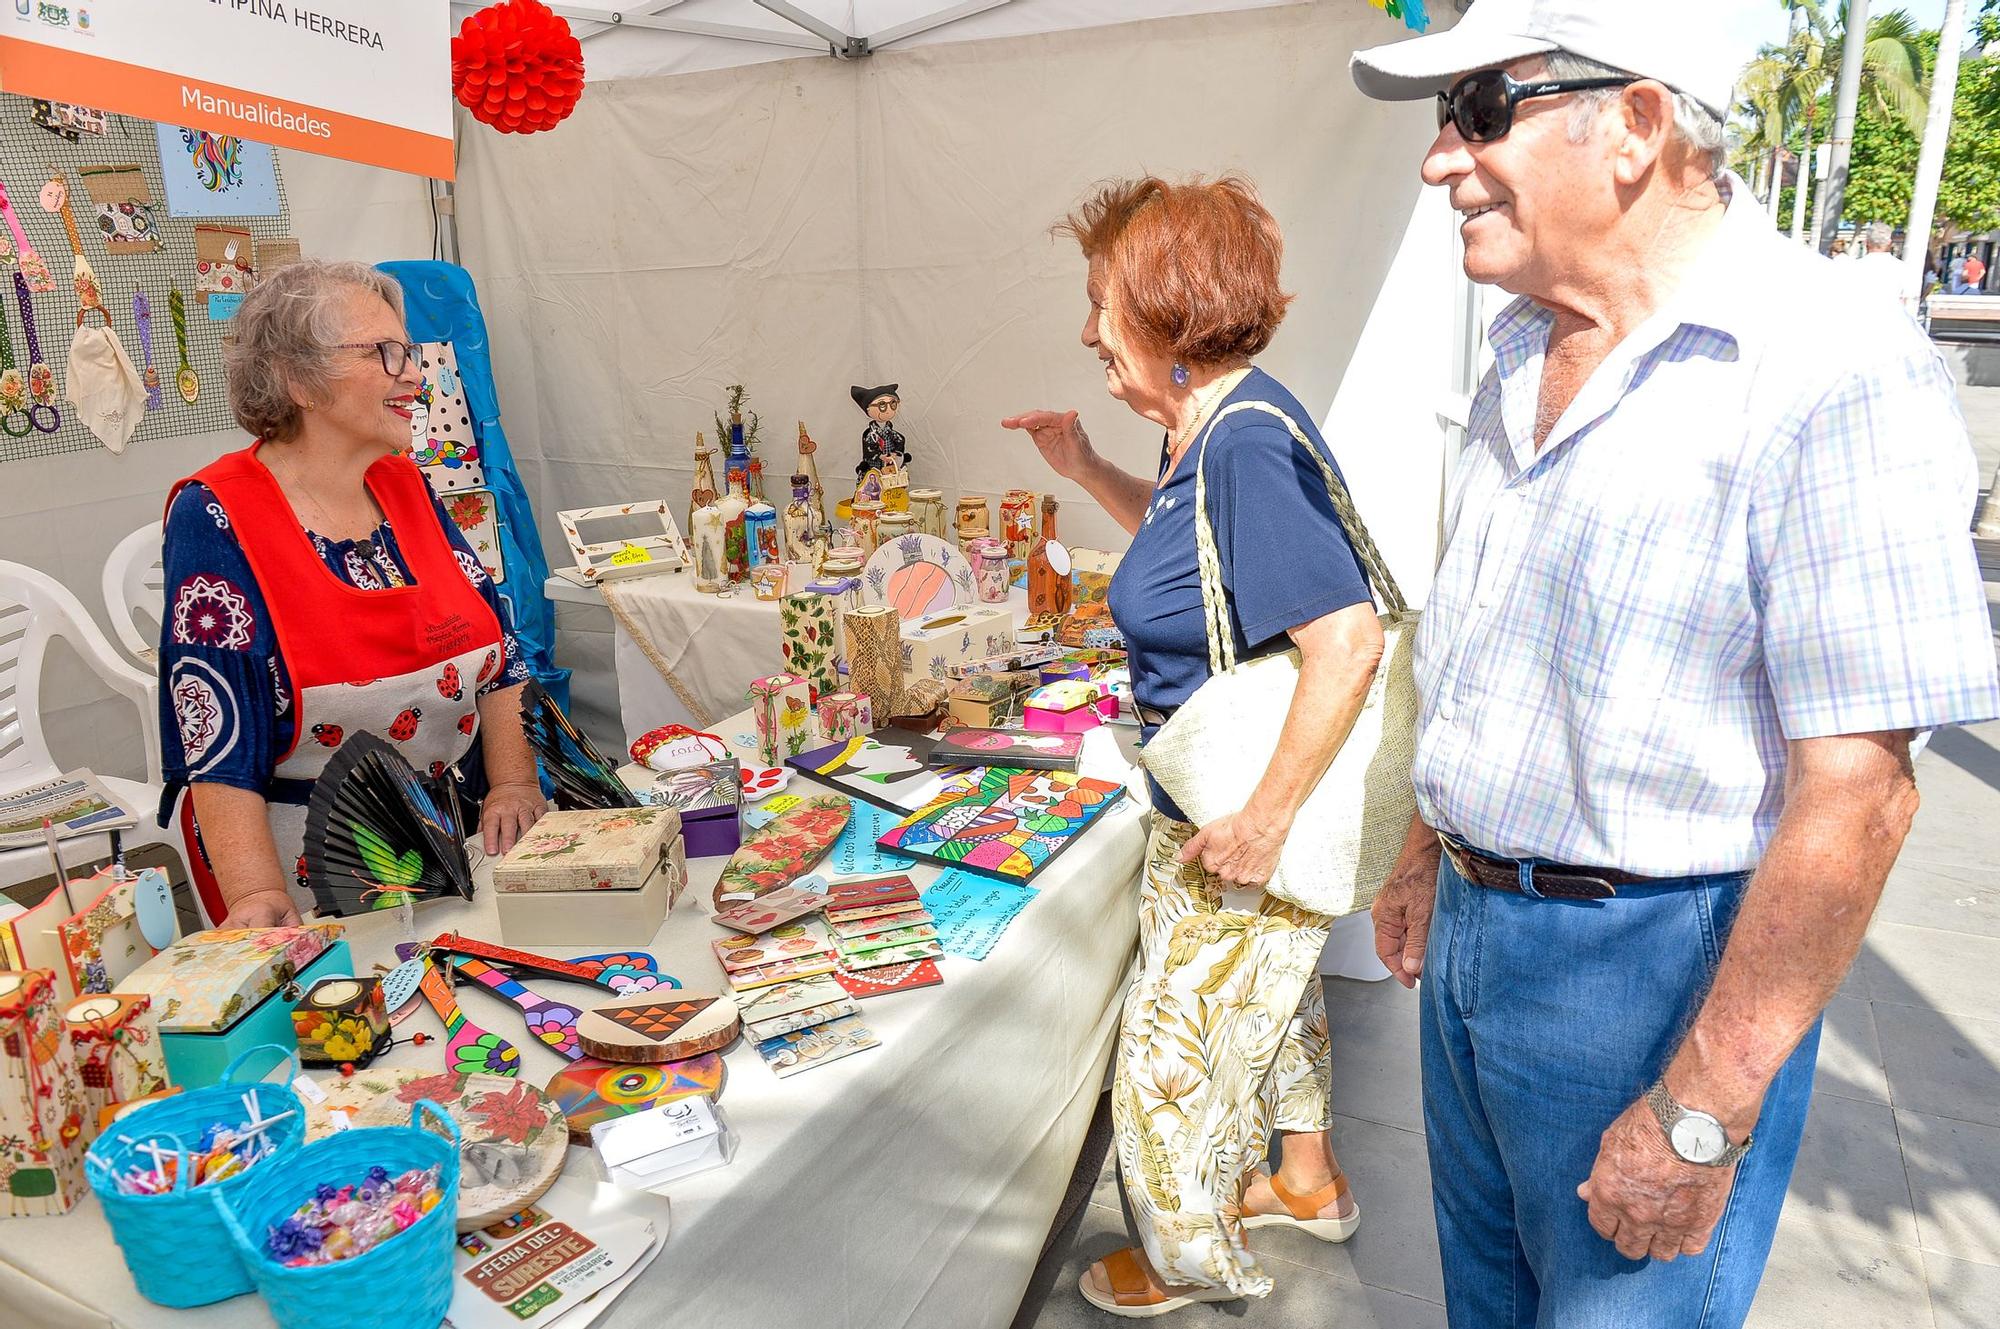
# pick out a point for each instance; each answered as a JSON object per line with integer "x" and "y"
{"x": 468, "y": 1048}
{"x": 617, "y": 971}
{"x": 550, "y": 1021}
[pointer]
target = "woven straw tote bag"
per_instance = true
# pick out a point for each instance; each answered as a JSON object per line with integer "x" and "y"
{"x": 1211, "y": 753}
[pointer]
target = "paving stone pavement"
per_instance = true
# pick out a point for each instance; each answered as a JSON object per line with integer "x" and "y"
{"x": 1893, "y": 1220}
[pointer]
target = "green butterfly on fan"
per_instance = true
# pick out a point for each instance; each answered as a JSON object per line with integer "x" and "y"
{"x": 379, "y": 835}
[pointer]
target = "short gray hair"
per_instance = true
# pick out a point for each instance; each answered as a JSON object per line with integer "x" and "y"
{"x": 1694, "y": 124}
{"x": 285, "y": 332}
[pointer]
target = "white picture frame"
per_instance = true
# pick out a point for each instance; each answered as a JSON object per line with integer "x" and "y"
{"x": 613, "y": 560}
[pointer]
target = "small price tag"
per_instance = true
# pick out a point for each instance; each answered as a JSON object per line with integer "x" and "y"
{"x": 629, "y": 555}
{"x": 340, "y": 1118}
{"x": 758, "y": 818}
{"x": 307, "y": 1089}
{"x": 780, "y": 805}
{"x": 153, "y": 902}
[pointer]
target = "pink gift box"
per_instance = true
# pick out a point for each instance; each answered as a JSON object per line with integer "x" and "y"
{"x": 1068, "y": 707}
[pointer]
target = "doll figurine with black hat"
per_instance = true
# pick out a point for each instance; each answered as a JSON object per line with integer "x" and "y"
{"x": 880, "y": 438}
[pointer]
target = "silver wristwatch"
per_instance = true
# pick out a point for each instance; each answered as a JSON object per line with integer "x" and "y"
{"x": 1695, "y": 1136}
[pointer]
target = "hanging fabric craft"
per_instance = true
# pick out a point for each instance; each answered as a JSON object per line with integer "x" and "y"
{"x": 142, "y": 318}
{"x": 188, "y": 383}
{"x": 89, "y": 295}
{"x": 40, "y": 279}
{"x": 517, "y": 67}
{"x": 13, "y": 387}
{"x": 124, "y": 208}
{"x": 222, "y": 263}
{"x": 41, "y": 379}
{"x": 110, "y": 400}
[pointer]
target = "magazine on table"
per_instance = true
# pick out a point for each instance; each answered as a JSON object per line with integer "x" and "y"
{"x": 77, "y": 803}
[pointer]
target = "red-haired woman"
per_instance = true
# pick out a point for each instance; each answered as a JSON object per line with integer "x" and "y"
{"x": 1224, "y": 1031}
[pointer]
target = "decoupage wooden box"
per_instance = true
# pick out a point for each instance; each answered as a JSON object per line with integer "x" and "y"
{"x": 217, "y": 994}
{"x": 605, "y": 919}
{"x": 602, "y": 875}
{"x": 89, "y": 950}
{"x": 1068, "y": 707}
{"x": 595, "y": 849}
{"x": 710, "y": 801}
{"x": 956, "y": 636}
{"x": 782, "y": 707}
{"x": 42, "y": 1116}
{"x": 811, "y": 640}
{"x": 117, "y": 1051}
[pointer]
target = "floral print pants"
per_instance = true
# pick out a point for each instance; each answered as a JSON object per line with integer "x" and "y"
{"x": 1223, "y": 1041}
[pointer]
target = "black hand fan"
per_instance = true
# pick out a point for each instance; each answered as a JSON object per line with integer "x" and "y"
{"x": 376, "y": 832}
{"x": 582, "y": 777}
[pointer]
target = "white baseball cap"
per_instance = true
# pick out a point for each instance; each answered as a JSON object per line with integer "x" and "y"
{"x": 1680, "y": 45}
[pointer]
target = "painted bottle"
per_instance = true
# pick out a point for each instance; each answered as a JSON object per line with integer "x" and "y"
{"x": 1050, "y": 590}
{"x": 733, "y": 504}
{"x": 803, "y": 542}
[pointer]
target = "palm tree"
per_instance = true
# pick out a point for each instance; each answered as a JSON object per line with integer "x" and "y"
{"x": 1786, "y": 84}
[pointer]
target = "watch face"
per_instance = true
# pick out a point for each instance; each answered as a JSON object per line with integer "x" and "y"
{"x": 1699, "y": 1138}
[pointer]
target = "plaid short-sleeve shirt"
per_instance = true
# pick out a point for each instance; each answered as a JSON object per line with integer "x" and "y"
{"x": 1750, "y": 527}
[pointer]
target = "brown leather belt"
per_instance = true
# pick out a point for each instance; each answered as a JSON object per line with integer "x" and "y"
{"x": 1556, "y": 880}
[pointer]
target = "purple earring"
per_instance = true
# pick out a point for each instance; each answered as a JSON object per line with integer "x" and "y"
{"x": 1180, "y": 375}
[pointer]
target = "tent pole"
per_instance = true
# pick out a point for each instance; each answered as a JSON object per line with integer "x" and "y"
{"x": 841, "y": 45}
{"x": 444, "y": 212}
{"x": 900, "y": 31}
{"x": 611, "y": 18}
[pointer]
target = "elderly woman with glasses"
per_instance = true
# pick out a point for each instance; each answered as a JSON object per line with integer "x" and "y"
{"x": 316, "y": 590}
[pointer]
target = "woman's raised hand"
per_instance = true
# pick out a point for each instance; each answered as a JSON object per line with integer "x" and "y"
{"x": 1065, "y": 447}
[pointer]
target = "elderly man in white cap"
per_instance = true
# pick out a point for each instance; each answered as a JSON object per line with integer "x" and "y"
{"x": 1708, "y": 569}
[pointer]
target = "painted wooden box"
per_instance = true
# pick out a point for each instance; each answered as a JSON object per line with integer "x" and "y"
{"x": 605, "y": 919}
{"x": 957, "y": 636}
{"x": 116, "y": 1045}
{"x": 42, "y": 1109}
{"x": 216, "y": 994}
{"x": 710, "y": 801}
{"x": 811, "y": 640}
{"x": 595, "y": 849}
{"x": 1068, "y": 707}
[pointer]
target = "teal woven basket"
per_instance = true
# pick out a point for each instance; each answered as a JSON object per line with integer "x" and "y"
{"x": 158, "y": 1232}
{"x": 404, "y": 1283}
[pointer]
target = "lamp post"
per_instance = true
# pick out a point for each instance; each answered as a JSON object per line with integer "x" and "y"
{"x": 1930, "y": 162}
{"x": 1833, "y": 193}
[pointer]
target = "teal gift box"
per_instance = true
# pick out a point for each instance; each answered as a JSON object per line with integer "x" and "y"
{"x": 221, "y": 993}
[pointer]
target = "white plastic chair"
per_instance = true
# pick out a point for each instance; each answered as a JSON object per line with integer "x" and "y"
{"x": 134, "y": 585}
{"x": 34, "y": 607}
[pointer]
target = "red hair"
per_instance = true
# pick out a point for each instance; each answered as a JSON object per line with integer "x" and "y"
{"x": 1194, "y": 266}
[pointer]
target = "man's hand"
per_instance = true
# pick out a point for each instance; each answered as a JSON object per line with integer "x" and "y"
{"x": 1644, "y": 1199}
{"x": 270, "y": 908}
{"x": 1402, "y": 911}
{"x": 1242, "y": 848}
{"x": 509, "y": 810}
{"x": 1065, "y": 447}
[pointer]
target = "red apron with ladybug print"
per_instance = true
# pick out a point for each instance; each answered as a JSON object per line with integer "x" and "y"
{"x": 404, "y": 663}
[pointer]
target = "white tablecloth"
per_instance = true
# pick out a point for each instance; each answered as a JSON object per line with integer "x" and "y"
{"x": 911, "y": 1184}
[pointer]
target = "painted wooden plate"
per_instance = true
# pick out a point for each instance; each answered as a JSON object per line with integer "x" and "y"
{"x": 650, "y": 1027}
{"x": 917, "y": 575}
{"x": 516, "y": 1137}
{"x": 593, "y": 1091}
{"x": 770, "y": 857}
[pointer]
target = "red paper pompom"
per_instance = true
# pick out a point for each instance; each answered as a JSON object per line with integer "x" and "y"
{"x": 516, "y": 66}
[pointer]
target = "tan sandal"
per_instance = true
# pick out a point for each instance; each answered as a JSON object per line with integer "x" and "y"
{"x": 1303, "y": 1211}
{"x": 1134, "y": 1295}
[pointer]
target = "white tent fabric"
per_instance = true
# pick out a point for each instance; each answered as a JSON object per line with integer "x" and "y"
{"x": 801, "y": 226}
{"x": 639, "y": 52}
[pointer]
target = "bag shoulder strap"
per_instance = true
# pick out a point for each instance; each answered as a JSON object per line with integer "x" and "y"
{"x": 1214, "y": 600}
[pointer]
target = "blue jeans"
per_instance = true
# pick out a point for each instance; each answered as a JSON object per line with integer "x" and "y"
{"x": 1543, "y": 1020}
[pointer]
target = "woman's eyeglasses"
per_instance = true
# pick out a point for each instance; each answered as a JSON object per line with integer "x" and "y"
{"x": 395, "y": 354}
{"x": 1482, "y": 104}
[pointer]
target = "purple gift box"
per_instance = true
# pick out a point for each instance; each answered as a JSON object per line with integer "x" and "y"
{"x": 710, "y": 801}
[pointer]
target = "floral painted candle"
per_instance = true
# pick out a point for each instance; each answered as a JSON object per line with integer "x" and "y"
{"x": 840, "y": 717}
{"x": 707, "y": 537}
{"x": 811, "y": 624}
{"x": 927, "y": 506}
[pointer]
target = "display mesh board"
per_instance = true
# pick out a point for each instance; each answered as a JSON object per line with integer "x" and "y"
{"x": 28, "y": 155}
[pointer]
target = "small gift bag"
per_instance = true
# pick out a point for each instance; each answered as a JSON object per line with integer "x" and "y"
{"x": 41, "y": 1101}
{"x": 222, "y": 263}
{"x": 117, "y": 1052}
{"x": 124, "y": 208}
{"x": 782, "y": 704}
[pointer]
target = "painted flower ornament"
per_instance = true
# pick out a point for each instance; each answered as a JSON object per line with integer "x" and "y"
{"x": 517, "y": 67}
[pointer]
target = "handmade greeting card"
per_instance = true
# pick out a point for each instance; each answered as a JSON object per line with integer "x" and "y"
{"x": 1005, "y": 823}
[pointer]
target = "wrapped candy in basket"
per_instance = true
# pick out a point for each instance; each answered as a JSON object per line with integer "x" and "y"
{"x": 157, "y": 1229}
{"x": 391, "y": 1266}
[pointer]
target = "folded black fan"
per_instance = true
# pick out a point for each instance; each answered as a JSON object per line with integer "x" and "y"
{"x": 377, "y": 832}
{"x": 582, "y": 777}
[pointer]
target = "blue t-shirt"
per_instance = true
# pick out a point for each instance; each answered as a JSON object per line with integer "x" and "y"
{"x": 1285, "y": 559}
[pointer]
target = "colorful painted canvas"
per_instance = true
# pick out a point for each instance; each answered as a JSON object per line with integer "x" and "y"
{"x": 887, "y": 768}
{"x": 216, "y": 175}
{"x": 1008, "y": 824}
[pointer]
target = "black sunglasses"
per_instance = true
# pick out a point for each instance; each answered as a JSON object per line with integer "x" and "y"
{"x": 1482, "y": 104}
